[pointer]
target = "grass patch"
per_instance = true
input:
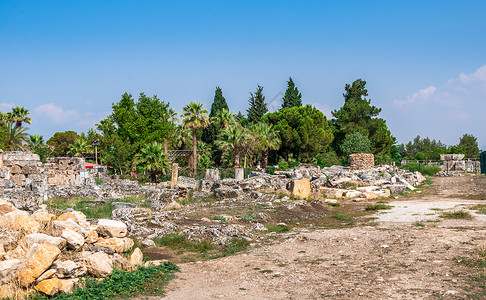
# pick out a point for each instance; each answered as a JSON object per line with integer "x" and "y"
{"x": 266, "y": 271}
{"x": 120, "y": 284}
{"x": 334, "y": 204}
{"x": 425, "y": 170}
{"x": 204, "y": 250}
{"x": 342, "y": 217}
{"x": 476, "y": 262}
{"x": 92, "y": 208}
{"x": 461, "y": 214}
{"x": 480, "y": 209}
{"x": 278, "y": 228}
{"x": 419, "y": 224}
{"x": 377, "y": 207}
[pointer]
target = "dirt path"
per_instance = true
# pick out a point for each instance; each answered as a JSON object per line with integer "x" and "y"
{"x": 398, "y": 259}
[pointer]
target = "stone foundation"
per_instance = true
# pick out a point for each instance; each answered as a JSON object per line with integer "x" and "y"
{"x": 361, "y": 161}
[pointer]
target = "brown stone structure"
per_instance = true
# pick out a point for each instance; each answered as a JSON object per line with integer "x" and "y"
{"x": 64, "y": 170}
{"x": 361, "y": 161}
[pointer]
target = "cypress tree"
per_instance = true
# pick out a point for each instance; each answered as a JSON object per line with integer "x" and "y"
{"x": 292, "y": 95}
{"x": 210, "y": 133}
{"x": 258, "y": 107}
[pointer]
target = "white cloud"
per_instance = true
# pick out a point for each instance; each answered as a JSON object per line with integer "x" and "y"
{"x": 56, "y": 114}
{"x": 418, "y": 96}
{"x": 324, "y": 108}
{"x": 6, "y": 107}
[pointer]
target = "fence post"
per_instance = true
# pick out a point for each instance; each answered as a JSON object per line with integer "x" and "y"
{"x": 175, "y": 174}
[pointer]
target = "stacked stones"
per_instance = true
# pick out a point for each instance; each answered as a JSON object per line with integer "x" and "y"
{"x": 31, "y": 245}
{"x": 21, "y": 168}
{"x": 453, "y": 162}
{"x": 361, "y": 161}
{"x": 64, "y": 170}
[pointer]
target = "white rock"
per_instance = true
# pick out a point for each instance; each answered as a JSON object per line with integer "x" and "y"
{"x": 112, "y": 228}
{"x": 40, "y": 238}
{"x": 74, "y": 239}
{"x": 99, "y": 263}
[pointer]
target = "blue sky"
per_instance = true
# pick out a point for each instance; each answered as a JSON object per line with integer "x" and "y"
{"x": 424, "y": 61}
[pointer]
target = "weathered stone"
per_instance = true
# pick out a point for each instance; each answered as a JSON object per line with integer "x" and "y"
{"x": 137, "y": 257}
{"x": 300, "y": 188}
{"x": 175, "y": 175}
{"x": 94, "y": 248}
{"x": 41, "y": 238}
{"x": 239, "y": 174}
{"x": 122, "y": 263}
{"x": 92, "y": 237}
{"x": 6, "y": 208}
{"x": 66, "y": 286}
{"x": 74, "y": 240}
{"x": 186, "y": 183}
{"x": 332, "y": 193}
{"x": 222, "y": 193}
{"x": 59, "y": 226}
{"x": 99, "y": 264}
{"x": 212, "y": 174}
{"x": 8, "y": 268}
{"x": 112, "y": 228}
{"x": 39, "y": 258}
{"x": 43, "y": 217}
{"x": 395, "y": 188}
{"x": 50, "y": 287}
{"x": 120, "y": 245}
{"x": 148, "y": 243}
{"x": 8, "y": 238}
{"x": 46, "y": 275}
{"x": 68, "y": 269}
{"x": 361, "y": 161}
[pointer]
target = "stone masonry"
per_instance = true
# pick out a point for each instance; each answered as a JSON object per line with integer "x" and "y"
{"x": 361, "y": 161}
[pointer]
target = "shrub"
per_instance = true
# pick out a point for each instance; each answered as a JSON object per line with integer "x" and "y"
{"x": 283, "y": 165}
{"x": 377, "y": 207}
{"x": 328, "y": 159}
{"x": 355, "y": 143}
{"x": 424, "y": 169}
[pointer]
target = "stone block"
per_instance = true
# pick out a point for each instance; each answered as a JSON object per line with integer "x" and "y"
{"x": 301, "y": 188}
{"x": 39, "y": 258}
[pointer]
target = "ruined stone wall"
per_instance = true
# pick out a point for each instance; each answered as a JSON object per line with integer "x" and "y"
{"x": 361, "y": 161}
{"x": 64, "y": 170}
{"x": 21, "y": 168}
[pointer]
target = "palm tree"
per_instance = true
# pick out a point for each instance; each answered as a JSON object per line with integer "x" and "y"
{"x": 268, "y": 139}
{"x": 79, "y": 147}
{"x": 233, "y": 139}
{"x": 19, "y": 115}
{"x": 36, "y": 141}
{"x": 195, "y": 117}
{"x": 153, "y": 159}
{"x": 16, "y": 136}
{"x": 223, "y": 118}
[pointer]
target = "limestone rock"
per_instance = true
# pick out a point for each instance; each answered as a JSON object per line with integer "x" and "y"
{"x": 8, "y": 268}
{"x": 122, "y": 263}
{"x": 99, "y": 263}
{"x": 39, "y": 258}
{"x": 74, "y": 240}
{"x": 8, "y": 238}
{"x": 46, "y": 275}
{"x": 300, "y": 188}
{"x": 6, "y": 208}
{"x": 59, "y": 226}
{"x": 66, "y": 286}
{"x": 68, "y": 269}
{"x": 148, "y": 243}
{"x": 137, "y": 257}
{"x": 50, "y": 287}
{"x": 19, "y": 221}
{"x": 120, "y": 245}
{"x": 112, "y": 228}
{"x": 92, "y": 237}
{"x": 40, "y": 238}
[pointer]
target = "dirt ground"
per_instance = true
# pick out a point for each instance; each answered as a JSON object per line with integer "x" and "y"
{"x": 411, "y": 253}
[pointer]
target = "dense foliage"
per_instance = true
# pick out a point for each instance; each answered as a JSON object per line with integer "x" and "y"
{"x": 258, "y": 107}
{"x": 292, "y": 95}
{"x": 304, "y": 131}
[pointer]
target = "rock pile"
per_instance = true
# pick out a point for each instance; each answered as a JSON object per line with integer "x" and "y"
{"x": 361, "y": 161}
{"x": 48, "y": 253}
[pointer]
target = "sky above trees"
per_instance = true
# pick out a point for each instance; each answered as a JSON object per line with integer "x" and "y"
{"x": 424, "y": 61}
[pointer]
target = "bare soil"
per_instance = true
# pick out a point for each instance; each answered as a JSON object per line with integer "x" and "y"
{"x": 411, "y": 253}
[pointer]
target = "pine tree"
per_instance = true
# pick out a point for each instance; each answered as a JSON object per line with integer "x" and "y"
{"x": 292, "y": 95}
{"x": 258, "y": 107}
{"x": 210, "y": 133}
{"x": 239, "y": 117}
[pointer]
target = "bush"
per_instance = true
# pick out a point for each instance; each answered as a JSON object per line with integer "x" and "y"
{"x": 328, "y": 159}
{"x": 355, "y": 143}
{"x": 424, "y": 169}
{"x": 283, "y": 165}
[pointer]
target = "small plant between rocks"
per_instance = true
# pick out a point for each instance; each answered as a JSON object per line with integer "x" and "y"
{"x": 461, "y": 214}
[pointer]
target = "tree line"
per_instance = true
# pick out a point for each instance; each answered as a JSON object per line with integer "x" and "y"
{"x": 138, "y": 134}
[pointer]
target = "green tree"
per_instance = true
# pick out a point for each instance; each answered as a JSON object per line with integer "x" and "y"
{"x": 210, "y": 133}
{"x": 196, "y": 118}
{"x": 304, "y": 131}
{"x": 239, "y": 117}
{"x": 355, "y": 143}
{"x": 19, "y": 115}
{"x": 39, "y": 147}
{"x": 267, "y": 139}
{"x": 358, "y": 115}
{"x": 292, "y": 95}
{"x": 232, "y": 139}
{"x": 79, "y": 147}
{"x": 469, "y": 145}
{"x": 61, "y": 141}
{"x": 258, "y": 107}
{"x": 16, "y": 136}
{"x": 153, "y": 159}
